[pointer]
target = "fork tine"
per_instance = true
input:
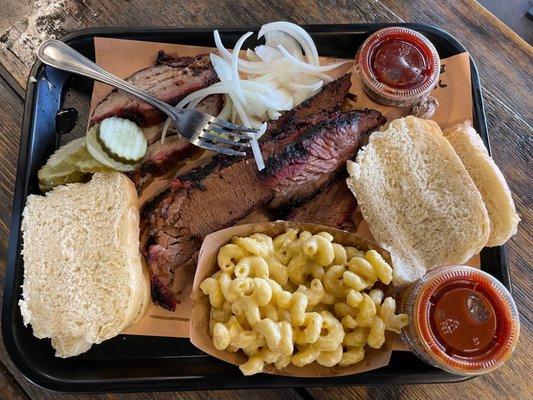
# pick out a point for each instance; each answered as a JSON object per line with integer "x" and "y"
{"x": 233, "y": 127}
{"x": 220, "y": 139}
{"x": 218, "y": 149}
{"x": 236, "y": 135}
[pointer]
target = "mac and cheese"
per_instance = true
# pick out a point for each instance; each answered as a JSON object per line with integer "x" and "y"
{"x": 299, "y": 298}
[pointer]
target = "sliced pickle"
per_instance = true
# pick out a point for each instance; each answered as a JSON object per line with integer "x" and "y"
{"x": 60, "y": 167}
{"x": 87, "y": 164}
{"x": 50, "y": 177}
{"x": 101, "y": 156}
{"x": 122, "y": 140}
{"x": 62, "y": 157}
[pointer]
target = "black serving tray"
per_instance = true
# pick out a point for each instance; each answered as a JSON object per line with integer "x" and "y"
{"x": 141, "y": 363}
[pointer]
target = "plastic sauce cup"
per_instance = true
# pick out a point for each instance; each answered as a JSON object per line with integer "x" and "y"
{"x": 462, "y": 320}
{"x": 398, "y": 66}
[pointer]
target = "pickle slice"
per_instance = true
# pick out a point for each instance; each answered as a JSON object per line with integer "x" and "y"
{"x": 87, "y": 164}
{"x": 62, "y": 157}
{"x": 122, "y": 140}
{"x": 60, "y": 167}
{"x": 100, "y": 155}
{"x": 50, "y": 177}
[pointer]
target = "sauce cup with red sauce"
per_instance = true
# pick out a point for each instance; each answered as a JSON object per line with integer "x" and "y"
{"x": 398, "y": 66}
{"x": 462, "y": 320}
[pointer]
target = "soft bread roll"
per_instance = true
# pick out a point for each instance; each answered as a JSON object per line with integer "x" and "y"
{"x": 488, "y": 179}
{"x": 83, "y": 277}
{"x": 145, "y": 297}
{"x": 418, "y": 199}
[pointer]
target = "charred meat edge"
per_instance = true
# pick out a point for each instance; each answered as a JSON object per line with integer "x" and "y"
{"x": 185, "y": 77}
{"x": 332, "y": 207}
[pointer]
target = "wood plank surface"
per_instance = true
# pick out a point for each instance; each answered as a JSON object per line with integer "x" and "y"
{"x": 504, "y": 62}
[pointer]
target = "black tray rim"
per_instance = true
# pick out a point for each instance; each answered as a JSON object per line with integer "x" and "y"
{"x": 170, "y": 384}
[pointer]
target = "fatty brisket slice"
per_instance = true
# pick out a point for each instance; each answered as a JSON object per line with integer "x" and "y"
{"x": 333, "y": 207}
{"x": 168, "y": 81}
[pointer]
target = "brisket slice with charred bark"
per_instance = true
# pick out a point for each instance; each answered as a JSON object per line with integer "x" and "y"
{"x": 333, "y": 207}
{"x": 162, "y": 157}
{"x": 309, "y": 163}
{"x": 166, "y": 82}
{"x": 200, "y": 202}
{"x": 329, "y": 98}
{"x": 227, "y": 189}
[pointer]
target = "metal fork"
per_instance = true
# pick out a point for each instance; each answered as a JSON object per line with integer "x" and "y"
{"x": 202, "y": 130}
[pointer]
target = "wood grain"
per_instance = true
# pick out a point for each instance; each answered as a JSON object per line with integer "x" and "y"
{"x": 77, "y": 14}
{"x": 504, "y": 61}
{"x": 10, "y": 118}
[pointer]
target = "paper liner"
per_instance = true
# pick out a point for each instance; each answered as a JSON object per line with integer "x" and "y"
{"x": 207, "y": 266}
{"x": 125, "y": 57}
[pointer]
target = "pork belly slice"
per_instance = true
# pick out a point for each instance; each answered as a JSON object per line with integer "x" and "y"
{"x": 162, "y": 157}
{"x": 173, "y": 60}
{"x": 167, "y": 83}
{"x": 310, "y": 162}
{"x": 333, "y": 207}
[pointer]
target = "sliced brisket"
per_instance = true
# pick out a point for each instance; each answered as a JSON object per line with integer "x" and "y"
{"x": 166, "y": 82}
{"x": 201, "y": 202}
{"x": 308, "y": 163}
{"x": 215, "y": 196}
{"x": 333, "y": 207}
{"x": 329, "y": 98}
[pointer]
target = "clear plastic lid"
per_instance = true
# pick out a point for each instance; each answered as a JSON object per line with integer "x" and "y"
{"x": 463, "y": 320}
{"x": 398, "y": 66}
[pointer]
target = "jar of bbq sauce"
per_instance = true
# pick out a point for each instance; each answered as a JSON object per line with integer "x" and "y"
{"x": 398, "y": 66}
{"x": 462, "y": 320}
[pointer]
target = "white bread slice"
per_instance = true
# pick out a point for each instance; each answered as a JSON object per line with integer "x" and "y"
{"x": 145, "y": 297}
{"x": 417, "y": 198}
{"x": 488, "y": 179}
{"x": 83, "y": 277}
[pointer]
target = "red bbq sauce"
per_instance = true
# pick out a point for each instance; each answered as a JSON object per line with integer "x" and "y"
{"x": 398, "y": 66}
{"x": 463, "y": 320}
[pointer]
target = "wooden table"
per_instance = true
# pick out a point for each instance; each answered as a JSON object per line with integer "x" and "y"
{"x": 505, "y": 67}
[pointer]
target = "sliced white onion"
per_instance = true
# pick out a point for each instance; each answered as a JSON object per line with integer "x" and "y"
{"x": 298, "y": 33}
{"x": 225, "y": 113}
{"x": 267, "y": 53}
{"x": 273, "y": 78}
{"x": 310, "y": 68}
{"x": 273, "y": 38}
{"x": 221, "y": 66}
{"x": 273, "y": 114}
{"x": 252, "y": 56}
{"x": 311, "y": 87}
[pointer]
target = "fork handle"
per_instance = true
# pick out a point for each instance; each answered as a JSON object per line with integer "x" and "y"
{"x": 61, "y": 56}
